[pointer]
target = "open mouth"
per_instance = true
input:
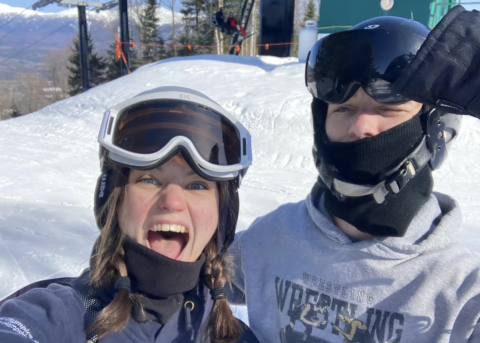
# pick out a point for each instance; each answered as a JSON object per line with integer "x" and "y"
{"x": 169, "y": 240}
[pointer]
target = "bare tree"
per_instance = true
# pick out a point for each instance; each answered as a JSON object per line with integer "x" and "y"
{"x": 255, "y": 28}
{"x": 5, "y": 99}
{"x": 298, "y": 22}
{"x": 173, "y": 6}
{"x": 218, "y": 35}
{"x": 135, "y": 12}
{"x": 55, "y": 70}
{"x": 30, "y": 92}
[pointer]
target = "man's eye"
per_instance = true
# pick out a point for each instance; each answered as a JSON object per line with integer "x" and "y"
{"x": 393, "y": 110}
{"x": 343, "y": 109}
{"x": 197, "y": 186}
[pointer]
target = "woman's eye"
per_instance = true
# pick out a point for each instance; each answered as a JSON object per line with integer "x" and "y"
{"x": 149, "y": 181}
{"x": 196, "y": 186}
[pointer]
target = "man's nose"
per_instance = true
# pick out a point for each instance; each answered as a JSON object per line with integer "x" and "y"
{"x": 365, "y": 124}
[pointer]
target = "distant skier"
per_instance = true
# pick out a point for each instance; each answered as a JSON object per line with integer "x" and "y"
{"x": 231, "y": 25}
{"x": 220, "y": 19}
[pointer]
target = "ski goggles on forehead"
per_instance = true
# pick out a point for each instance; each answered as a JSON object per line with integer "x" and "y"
{"x": 339, "y": 64}
{"x": 150, "y": 129}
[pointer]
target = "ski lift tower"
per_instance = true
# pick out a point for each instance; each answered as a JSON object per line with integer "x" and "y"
{"x": 276, "y": 27}
{"x": 82, "y": 28}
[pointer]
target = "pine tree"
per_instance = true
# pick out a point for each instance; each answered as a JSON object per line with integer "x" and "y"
{"x": 135, "y": 59}
{"x": 97, "y": 69}
{"x": 182, "y": 49}
{"x": 152, "y": 43}
{"x": 75, "y": 77}
{"x": 193, "y": 9}
{"x": 200, "y": 35}
{"x": 310, "y": 11}
{"x": 234, "y": 6}
{"x": 14, "y": 112}
{"x": 96, "y": 66}
{"x": 204, "y": 38}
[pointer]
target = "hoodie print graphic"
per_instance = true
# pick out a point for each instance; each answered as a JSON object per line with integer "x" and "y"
{"x": 321, "y": 311}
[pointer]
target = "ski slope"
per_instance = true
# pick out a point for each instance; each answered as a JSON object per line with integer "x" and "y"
{"x": 49, "y": 159}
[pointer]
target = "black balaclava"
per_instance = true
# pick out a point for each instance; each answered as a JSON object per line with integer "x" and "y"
{"x": 367, "y": 162}
{"x": 161, "y": 280}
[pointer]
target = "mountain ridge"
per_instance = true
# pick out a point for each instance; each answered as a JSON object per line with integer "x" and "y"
{"x": 31, "y": 26}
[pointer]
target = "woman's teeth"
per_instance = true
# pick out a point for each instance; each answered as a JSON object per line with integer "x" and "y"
{"x": 169, "y": 228}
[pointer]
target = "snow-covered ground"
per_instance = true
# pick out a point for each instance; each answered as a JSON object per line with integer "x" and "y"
{"x": 49, "y": 159}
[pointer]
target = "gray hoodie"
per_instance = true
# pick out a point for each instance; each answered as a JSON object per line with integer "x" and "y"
{"x": 305, "y": 281}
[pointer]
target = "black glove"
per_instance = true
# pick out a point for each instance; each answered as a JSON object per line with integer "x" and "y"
{"x": 445, "y": 72}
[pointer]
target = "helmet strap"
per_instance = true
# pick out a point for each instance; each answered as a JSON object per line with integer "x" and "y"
{"x": 394, "y": 183}
{"x": 390, "y": 218}
{"x": 103, "y": 190}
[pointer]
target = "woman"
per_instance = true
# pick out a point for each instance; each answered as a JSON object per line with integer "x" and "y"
{"x": 166, "y": 204}
{"x": 232, "y": 25}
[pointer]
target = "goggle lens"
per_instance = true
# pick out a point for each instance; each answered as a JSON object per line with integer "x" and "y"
{"x": 147, "y": 127}
{"x": 372, "y": 59}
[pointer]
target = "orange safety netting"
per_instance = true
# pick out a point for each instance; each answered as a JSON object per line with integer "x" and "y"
{"x": 193, "y": 46}
{"x": 119, "y": 53}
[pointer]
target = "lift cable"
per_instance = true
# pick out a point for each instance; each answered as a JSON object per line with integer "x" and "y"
{"x": 16, "y": 27}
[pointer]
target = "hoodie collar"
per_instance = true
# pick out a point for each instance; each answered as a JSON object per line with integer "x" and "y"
{"x": 435, "y": 226}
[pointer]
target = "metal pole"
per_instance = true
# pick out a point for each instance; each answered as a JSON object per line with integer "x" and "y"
{"x": 83, "y": 42}
{"x": 124, "y": 37}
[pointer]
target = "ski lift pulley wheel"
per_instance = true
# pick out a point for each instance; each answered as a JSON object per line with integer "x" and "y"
{"x": 386, "y": 5}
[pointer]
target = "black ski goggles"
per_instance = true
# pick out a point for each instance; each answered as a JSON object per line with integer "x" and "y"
{"x": 373, "y": 59}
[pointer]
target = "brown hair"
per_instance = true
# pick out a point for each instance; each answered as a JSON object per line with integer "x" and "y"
{"x": 222, "y": 326}
{"x": 108, "y": 265}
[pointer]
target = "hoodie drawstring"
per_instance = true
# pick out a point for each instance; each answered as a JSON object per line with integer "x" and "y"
{"x": 189, "y": 306}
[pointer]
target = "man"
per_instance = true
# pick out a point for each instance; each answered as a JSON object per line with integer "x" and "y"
{"x": 371, "y": 238}
{"x": 220, "y": 19}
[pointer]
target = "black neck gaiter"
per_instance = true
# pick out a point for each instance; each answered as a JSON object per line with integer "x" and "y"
{"x": 161, "y": 280}
{"x": 390, "y": 218}
{"x": 365, "y": 161}
{"x": 369, "y": 161}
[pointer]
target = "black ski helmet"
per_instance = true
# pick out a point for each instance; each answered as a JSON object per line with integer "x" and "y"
{"x": 372, "y": 55}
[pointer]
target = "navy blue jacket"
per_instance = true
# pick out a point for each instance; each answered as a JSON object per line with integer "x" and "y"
{"x": 220, "y": 18}
{"x": 56, "y": 314}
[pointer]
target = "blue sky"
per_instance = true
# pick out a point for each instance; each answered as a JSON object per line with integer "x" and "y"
{"x": 55, "y": 8}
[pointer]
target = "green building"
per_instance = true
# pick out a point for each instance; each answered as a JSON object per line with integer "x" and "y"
{"x": 339, "y": 15}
